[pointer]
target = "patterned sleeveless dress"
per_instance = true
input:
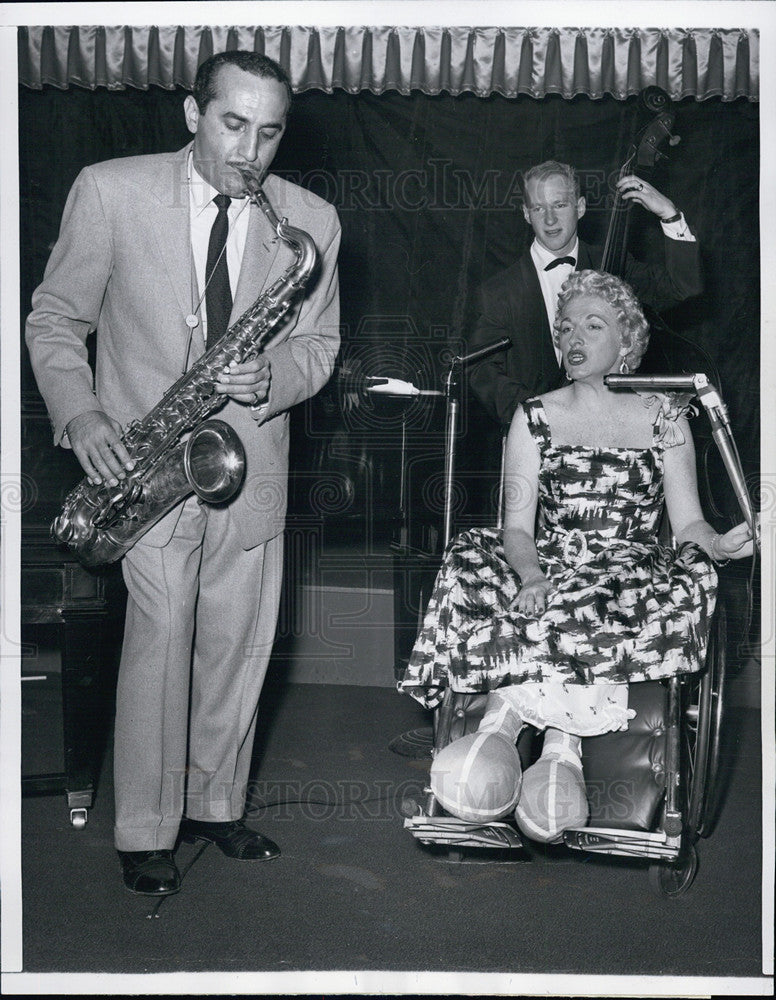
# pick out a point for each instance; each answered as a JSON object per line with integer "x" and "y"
{"x": 625, "y": 608}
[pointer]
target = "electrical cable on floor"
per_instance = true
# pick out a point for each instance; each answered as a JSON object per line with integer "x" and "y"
{"x": 154, "y": 914}
{"x": 317, "y": 802}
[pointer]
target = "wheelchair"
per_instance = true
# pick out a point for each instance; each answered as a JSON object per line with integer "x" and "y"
{"x": 652, "y": 790}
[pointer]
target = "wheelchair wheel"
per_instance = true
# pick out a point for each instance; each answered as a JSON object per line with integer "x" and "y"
{"x": 701, "y": 723}
{"x": 701, "y": 729}
{"x": 676, "y": 877}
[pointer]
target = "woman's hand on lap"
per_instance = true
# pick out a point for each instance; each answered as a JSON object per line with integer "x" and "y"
{"x": 534, "y": 596}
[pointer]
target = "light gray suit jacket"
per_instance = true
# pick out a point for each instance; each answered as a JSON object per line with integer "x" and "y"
{"x": 122, "y": 266}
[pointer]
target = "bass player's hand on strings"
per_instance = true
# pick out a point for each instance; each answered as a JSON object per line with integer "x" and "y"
{"x": 635, "y": 189}
{"x": 96, "y": 440}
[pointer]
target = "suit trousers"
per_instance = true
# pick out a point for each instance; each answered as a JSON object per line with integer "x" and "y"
{"x": 200, "y": 625}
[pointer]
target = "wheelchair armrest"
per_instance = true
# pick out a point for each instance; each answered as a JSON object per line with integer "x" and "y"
{"x": 468, "y": 710}
{"x": 625, "y": 771}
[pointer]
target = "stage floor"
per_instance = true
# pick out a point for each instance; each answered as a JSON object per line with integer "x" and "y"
{"x": 353, "y": 890}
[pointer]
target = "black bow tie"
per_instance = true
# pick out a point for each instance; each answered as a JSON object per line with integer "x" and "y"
{"x": 560, "y": 260}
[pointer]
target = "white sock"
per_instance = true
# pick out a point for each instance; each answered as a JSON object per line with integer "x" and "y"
{"x": 563, "y": 746}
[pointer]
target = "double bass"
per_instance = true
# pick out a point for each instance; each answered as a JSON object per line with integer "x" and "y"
{"x": 667, "y": 347}
{"x": 668, "y": 351}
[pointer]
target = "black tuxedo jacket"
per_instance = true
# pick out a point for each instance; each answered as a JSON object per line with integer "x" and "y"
{"x": 512, "y": 305}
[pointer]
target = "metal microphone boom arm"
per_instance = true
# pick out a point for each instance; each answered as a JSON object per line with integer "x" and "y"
{"x": 723, "y": 436}
{"x": 718, "y": 418}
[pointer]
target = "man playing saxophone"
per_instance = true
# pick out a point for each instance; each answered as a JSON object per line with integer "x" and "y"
{"x": 160, "y": 255}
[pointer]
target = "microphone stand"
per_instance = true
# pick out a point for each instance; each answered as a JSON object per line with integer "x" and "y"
{"x": 452, "y": 411}
{"x": 419, "y": 742}
{"x": 453, "y": 399}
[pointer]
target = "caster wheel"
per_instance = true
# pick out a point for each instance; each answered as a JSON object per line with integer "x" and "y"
{"x": 410, "y": 807}
{"x": 675, "y": 878}
{"x": 78, "y": 818}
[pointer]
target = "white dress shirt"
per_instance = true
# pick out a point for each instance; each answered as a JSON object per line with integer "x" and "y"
{"x": 678, "y": 230}
{"x": 202, "y": 215}
{"x": 551, "y": 281}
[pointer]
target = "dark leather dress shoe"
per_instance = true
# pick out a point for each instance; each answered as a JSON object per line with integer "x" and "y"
{"x": 233, "y": 838}
{"x": 150, "y": 873}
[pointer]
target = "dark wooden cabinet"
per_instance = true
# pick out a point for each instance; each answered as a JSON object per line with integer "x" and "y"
{"x": 69, "y": 610}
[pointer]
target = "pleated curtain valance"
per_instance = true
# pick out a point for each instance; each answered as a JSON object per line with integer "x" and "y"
{"x": 699, "y": 63}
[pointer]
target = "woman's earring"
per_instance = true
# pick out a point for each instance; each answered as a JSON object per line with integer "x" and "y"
{"x": 570, "y": 379}
{"x": 624, "y": 369}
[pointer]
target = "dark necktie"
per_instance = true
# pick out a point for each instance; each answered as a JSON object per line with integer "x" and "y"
{"x": 218, "y": 294}
{"x": 560, "y": 260}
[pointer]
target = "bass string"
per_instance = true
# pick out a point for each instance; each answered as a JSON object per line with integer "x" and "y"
{"x": 615, "y": 233}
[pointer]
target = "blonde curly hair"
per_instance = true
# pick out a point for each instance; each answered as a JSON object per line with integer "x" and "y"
{"x": 632, "y": 324}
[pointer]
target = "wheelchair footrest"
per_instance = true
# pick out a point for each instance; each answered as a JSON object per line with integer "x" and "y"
{"x": 629, "y": 843}
{"x": 455, "y": 832}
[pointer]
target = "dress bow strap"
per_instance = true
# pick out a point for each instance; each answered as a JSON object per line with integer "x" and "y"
{"x": 672, "y": 406}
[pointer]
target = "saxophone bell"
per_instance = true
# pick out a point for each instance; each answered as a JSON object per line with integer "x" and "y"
{"x": 214, "y": 461}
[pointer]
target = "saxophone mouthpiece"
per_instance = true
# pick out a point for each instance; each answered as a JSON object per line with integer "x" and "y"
{"x": 250, "y": 179}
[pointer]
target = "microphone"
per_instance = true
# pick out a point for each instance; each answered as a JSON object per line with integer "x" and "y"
{"x": 486, "y": 351}
{"x": 656, "y": 383}
{"x": 391, "y": 386}
{"x": 397, "y": 387}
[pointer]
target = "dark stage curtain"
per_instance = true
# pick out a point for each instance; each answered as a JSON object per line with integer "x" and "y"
{"x": 428, "y": 195}
{"x": 686, "y": 62}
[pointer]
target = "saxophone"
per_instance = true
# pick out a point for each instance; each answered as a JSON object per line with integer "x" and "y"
{"x": 176, "y": 450}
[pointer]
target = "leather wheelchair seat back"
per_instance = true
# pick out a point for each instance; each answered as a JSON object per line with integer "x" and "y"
{"x": 625, "y": 771}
